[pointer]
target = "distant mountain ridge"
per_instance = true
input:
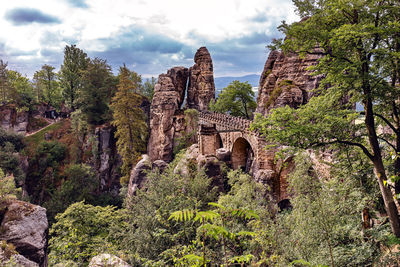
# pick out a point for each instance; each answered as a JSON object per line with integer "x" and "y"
{"x": 222, "y": 82}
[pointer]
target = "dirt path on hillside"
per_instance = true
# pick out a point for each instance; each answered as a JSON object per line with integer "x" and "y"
{"x": 51, "y": 122}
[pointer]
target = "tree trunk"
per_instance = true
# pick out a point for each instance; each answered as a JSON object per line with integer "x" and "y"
{"x": 387, "y": 195}
{"x": 379, "y": 168}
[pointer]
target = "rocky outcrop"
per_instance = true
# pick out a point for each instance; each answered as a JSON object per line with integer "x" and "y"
{"x": 168, "y": 127}
{"x": 108, "y": 260}
{"x": 108, "y": 161}
{"x": 14, "y": 259}
{"x": 201, "y": 87}
{"x": 13, "y": 120}
{"x": 169, "y": 93}
{"x": 138, "y": 174}
{"x": 212, "y": 166}
{"x": 25, "y": 226}
{"x": 285, "y": 80}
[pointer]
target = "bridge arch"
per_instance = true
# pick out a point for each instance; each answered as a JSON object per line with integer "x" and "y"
{"x": 218, "y": 141}
{"x": 242, "y": 154}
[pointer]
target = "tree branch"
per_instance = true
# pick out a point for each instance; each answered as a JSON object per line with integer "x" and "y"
{"x": 337, "y": 141}
{"x": 387, "y": 142}
{"x": 396, "y": 131}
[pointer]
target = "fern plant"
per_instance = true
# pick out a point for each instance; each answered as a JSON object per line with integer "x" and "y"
{"x": 213, "y": 224}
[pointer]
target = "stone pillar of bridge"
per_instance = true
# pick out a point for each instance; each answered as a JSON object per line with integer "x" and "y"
{"x": 208, "y": 139}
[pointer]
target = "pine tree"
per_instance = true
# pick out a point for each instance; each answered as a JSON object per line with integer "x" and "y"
{"x": 129, "y": 119}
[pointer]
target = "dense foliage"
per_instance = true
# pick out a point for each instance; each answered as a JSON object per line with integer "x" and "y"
{"x": 359, "y": 42}
{"x": 82, "y": 232}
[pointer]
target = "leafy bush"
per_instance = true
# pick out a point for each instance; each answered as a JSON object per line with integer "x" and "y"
{"x": 154, "y": 238}
{"x": 82, "y": 232}
{"x": 80, "y": 184}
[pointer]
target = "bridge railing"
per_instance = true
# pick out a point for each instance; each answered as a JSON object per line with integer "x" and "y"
{"x": 226, "y": 121}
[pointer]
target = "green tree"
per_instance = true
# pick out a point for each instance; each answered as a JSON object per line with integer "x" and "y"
{"x": 80, "y": 184}
{"x": 21, "y": 89}
{"x": 130, "y": 121}
{"x": 46, "y": 86}
{"x": 148, "y": 88}
{"x": 70, "y": 75}
{"x": 8, "y": 189}
{"x": 4, "y": 86}
{"x": 10, "y": 144}
{"x": 94, "y": 96}
{"x": 44, "y": 170}
{"x": 323, "y": 227}
{"x": 82, "y": 231}
{"x": 155, "y": 239}
{"x": 213, "y": 223}
{"x": 359, "y": 42}
{"x": 237, "y": 99}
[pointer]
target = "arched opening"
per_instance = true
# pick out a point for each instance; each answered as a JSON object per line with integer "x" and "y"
{"x": 285, "y": 205}
{"x": 242, "y": 155}
{"x": 219, "y": 143}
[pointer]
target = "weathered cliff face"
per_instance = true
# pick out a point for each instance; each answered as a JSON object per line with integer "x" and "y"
{"x": 167, "y": 119}
{"x": 25, "y": 226}
{"x": 13, "y": 120}
{"x": 285, "y": 80}
{"x": 108, "y": 160}
{"x": 201, "y": 87}
{"x": 169, "y": 93}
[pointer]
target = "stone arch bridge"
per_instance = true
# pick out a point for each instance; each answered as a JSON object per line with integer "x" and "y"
{"x": 247, "y": 148}
{"x": 220, "y": 133}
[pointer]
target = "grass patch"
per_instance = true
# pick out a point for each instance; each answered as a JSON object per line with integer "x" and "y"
{"x": 35, "y": 139}
{"x": 36, "y": 123}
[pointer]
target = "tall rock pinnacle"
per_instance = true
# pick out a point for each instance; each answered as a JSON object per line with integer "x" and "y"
{"x": 201, "y": 81}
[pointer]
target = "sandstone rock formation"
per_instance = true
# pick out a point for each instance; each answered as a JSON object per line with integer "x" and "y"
{"x": 13, "y": 120}
{"x": 167, "y": 119}
{"x": 138, "y": 174}
{"x": 109, "y": 161}
{"x": 169, "y": 93}
{"x": 25, "y": 226}
{"x": 201, "y": 81}
{"x": 285, "y": 80}
{"x": 14, "y": 259}
{"x": 210, "y": 163}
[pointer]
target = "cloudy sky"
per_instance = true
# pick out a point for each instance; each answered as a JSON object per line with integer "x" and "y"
{"x": 150, "y": 36}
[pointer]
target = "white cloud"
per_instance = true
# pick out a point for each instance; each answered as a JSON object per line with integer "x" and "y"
{"x": 87, "y": 23}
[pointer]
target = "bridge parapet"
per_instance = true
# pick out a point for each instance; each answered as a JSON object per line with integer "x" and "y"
{"x": 226, "y": 121}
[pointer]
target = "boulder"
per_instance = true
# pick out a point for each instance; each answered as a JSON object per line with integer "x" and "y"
{"x": 223, "y": 154}
{"x": 138, "y": 174}
{"x": 25, "y": 226}
{"x": 212, "y": 167}
{"x": 15, "y": 259}
{"x": 160, "y": 165}
{"x": 201, "y": 88}
{"x": 108, "y": 260}
{"x": 210, "y": 163}
{"x": 191, "y": 155}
